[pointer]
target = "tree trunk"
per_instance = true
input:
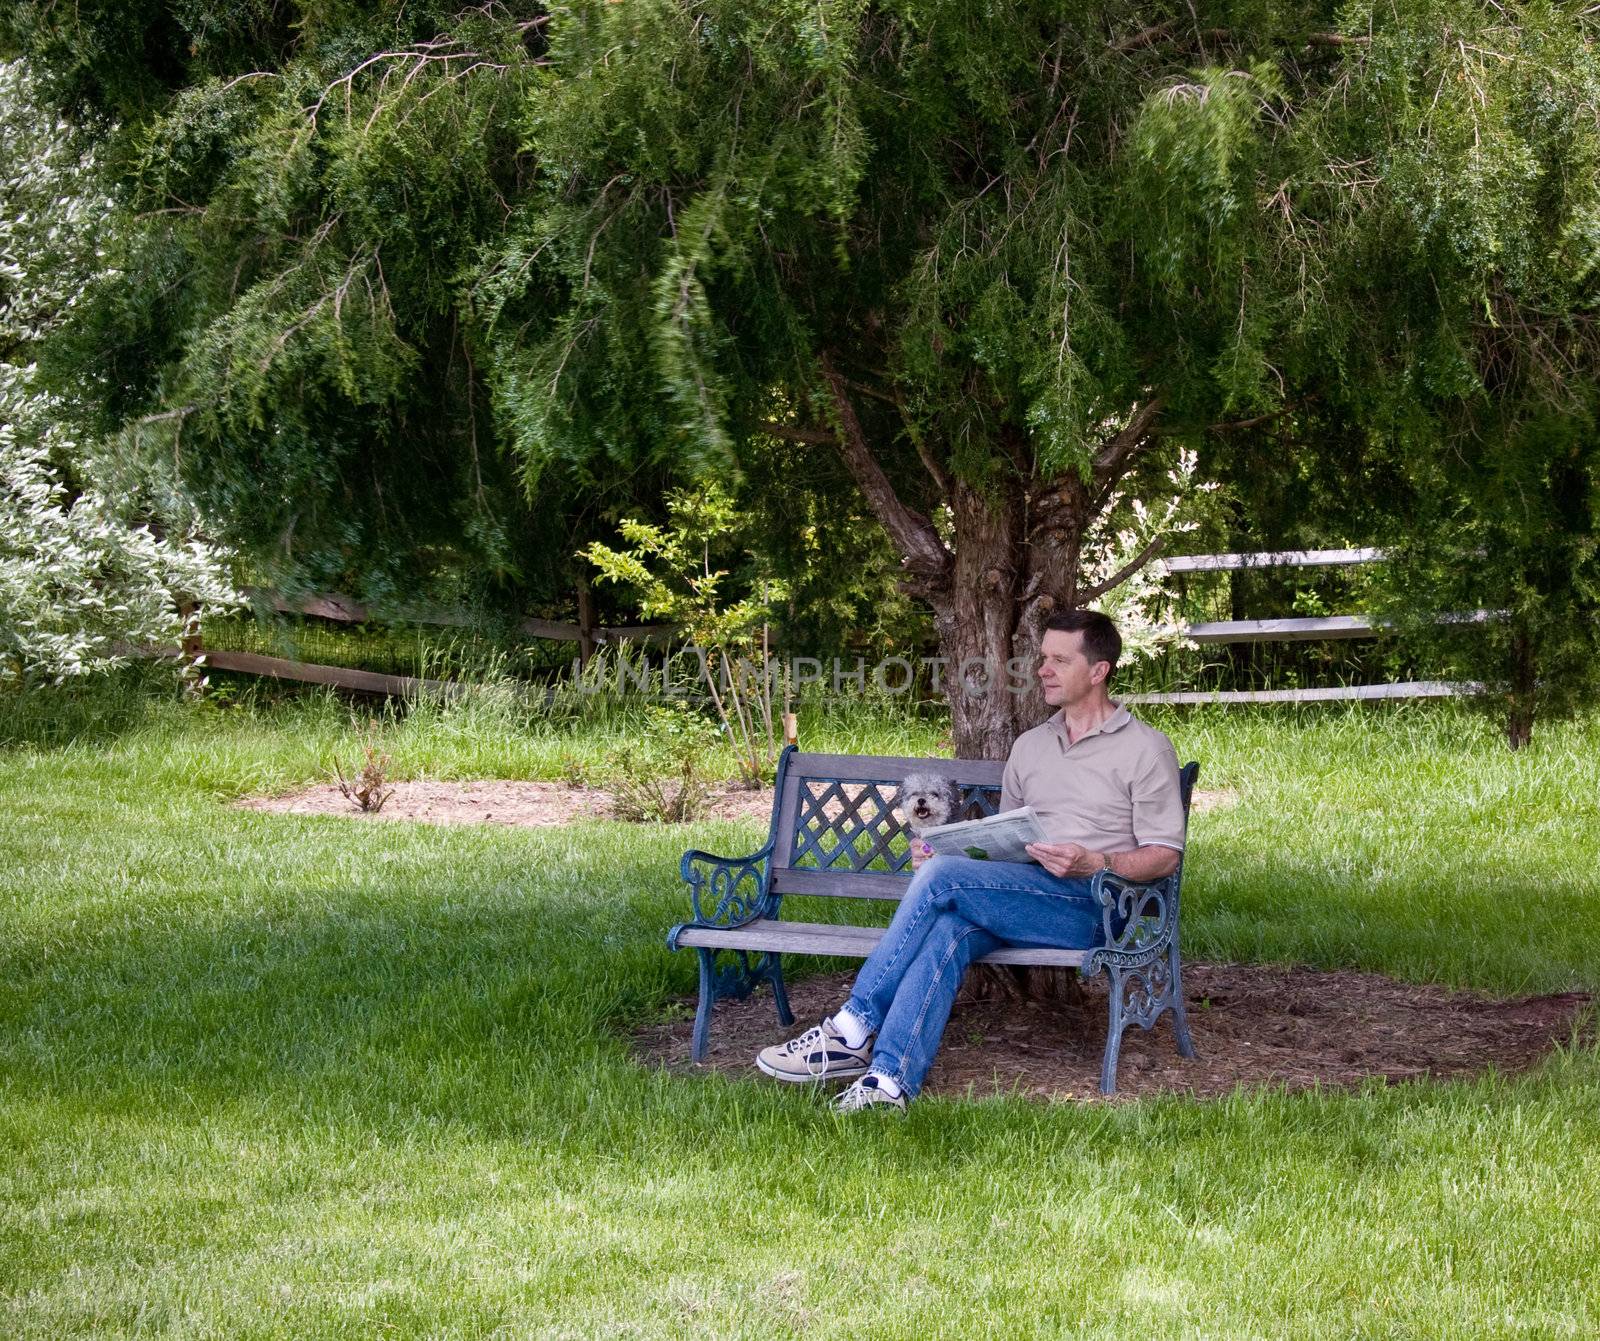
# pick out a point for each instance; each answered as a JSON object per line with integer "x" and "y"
{"x": 977, "y": 622}
{"x": 586, "y": 641}
{"x": 1016, "y": 558}
{"x": 1020, "y": 982}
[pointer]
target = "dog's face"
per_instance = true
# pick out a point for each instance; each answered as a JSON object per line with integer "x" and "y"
{"x": 925, "y": 800}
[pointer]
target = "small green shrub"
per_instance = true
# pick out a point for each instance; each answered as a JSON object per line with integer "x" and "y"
{"x": 661, "y": 779}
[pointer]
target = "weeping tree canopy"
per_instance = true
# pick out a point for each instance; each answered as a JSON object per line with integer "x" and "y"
{"x": 991, "y": 268}
{"x": 303, "y": 196}
{"x": 1002, "y": 262}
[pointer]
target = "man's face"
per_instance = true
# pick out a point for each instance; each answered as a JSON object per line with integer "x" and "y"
{"x": 1065, "y": 674}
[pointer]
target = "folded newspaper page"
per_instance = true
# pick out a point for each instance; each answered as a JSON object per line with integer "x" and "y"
{"x": 1001, "y": 837}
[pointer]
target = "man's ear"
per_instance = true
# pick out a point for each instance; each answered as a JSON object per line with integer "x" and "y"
{"x": 1099, "y": 671}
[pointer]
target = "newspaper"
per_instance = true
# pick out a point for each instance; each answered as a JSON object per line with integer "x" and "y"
{"x": 1001, "y": 837}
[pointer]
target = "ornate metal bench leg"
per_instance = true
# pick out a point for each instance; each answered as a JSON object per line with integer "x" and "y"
{"x": 1108, "y": 1067}
{"x": 1180, "y": 1017}
{"x": 702, "y": 1015}
{"x": 780, "y": 997}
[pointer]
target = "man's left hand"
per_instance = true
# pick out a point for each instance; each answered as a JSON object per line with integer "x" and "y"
{"x": 1067, "y": 858}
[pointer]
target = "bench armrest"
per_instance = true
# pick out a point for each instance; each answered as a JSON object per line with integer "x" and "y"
{"x": 727, "y": 891}
{"x": 1139, "y": 919}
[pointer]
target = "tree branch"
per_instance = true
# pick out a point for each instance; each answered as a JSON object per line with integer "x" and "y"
{"x": 1127, "y": 570}
{"x": 936, "y": 471}
{"x": 1158, "y": 32}
{"x": 793, "y": 433}
{"x": 1113, "y": 457}
{"x": 1143, "y": 38}
{"x": 1238, "y": 425}
{"x": 922, "y": 551}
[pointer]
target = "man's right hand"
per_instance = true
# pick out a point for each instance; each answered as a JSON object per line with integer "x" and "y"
{"x": 920, "y": 852}
{"x": 1064, "y": 859}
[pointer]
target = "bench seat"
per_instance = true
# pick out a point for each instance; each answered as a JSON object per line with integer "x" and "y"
{"x": 830, "y": 938}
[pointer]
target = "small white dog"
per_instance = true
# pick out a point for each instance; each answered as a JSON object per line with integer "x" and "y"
{"x": 924, "y": 801}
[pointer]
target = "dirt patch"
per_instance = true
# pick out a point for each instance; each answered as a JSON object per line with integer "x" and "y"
{"x": 1253, "y": 1025}
{"x": 534, "y": 804}
{"x": 531, "y": 804}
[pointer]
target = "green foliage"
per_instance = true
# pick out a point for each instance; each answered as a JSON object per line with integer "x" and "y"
{"x": 285, "y": 306}
{"x": 670, "y": 569}
{"x": 397, "y": 263}
{"x": 662, "y": 778}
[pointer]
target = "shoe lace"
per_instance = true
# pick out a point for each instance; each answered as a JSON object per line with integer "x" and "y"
{"x": 853, "y": 1098}
{"x": 805, "y": 1043}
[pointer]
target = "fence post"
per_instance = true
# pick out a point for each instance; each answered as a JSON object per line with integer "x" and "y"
{"x": 191, "y": 646}
{"x": 586, "y": 642}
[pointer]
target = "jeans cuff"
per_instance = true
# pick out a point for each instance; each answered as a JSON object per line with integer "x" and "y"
{"x": 895, "y": 1069}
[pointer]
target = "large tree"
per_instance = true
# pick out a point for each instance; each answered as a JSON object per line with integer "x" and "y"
{"x": 300, "y": 192}
{"x": 1000, "y": 261}
{"x": 994, "y": 265}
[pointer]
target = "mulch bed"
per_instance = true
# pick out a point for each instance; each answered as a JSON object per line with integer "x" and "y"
{"x": 1253, "y": 1025}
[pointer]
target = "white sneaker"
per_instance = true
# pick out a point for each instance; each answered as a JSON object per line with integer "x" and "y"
{"x": 818, "y": 1054}
{"x": 867, "y": 1093}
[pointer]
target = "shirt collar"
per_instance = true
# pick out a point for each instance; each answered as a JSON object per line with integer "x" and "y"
{"x": 1120, "y": 717}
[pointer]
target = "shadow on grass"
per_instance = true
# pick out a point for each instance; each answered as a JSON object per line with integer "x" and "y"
{"x": 358, "y": 1002}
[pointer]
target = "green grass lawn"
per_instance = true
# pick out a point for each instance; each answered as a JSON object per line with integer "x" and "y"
{"x": 275, "y": 1076}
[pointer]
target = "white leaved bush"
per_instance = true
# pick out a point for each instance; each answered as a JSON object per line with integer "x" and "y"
{"x": 84, "y": 582}
{"x": 80, "y": 587}
{"x": 1143, "y": 606}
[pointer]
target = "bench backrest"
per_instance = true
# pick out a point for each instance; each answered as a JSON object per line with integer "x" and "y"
{"x": 836, "y": 831}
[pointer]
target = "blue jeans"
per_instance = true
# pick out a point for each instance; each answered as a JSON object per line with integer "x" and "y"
{"x": 958, "y": 909}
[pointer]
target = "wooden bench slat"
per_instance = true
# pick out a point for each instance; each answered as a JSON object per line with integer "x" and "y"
{"x": 887, "y": 768}
{"x": 845, "y": 884}
{"x": 828, "y": 938}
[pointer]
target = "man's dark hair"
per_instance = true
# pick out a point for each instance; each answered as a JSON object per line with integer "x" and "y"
{"x": 1101, "y": 641}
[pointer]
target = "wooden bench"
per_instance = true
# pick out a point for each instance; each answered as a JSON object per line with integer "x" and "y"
{"x": 835, "y": 834}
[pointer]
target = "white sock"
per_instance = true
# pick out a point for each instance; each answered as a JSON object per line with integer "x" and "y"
{"x": 852, "y": 1026}
{"x": 888, "y": 1084}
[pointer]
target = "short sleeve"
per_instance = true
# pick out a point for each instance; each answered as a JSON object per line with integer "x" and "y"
{"x": 1158, "y": 818}
{"x": 1009, "y": 783}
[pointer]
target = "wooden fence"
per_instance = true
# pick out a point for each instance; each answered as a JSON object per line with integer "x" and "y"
{"x": 345, "y": 610}
{"x": 589, "y": 636}
{"x": 1300, "y": 629}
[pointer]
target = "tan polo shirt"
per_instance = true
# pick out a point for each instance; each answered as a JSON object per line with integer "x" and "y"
{"x": 1112, "y": 790}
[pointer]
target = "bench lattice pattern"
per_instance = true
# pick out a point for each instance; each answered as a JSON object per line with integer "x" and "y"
{"x": 851, "y": 826}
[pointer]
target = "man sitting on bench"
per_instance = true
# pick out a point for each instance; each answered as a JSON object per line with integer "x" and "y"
{"x": 1105, "y": 788}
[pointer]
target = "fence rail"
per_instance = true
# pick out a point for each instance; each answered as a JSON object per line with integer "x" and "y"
{"x": 1404, "y": 689}
{"x": 1280, "y": 558}
{"x": 1302, "y": 629}
{"x": 340, "y": 677}
{"x": 346, "y": 610}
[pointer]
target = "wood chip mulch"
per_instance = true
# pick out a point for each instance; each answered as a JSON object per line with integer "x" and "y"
{"x": 1253, "y": 1025}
